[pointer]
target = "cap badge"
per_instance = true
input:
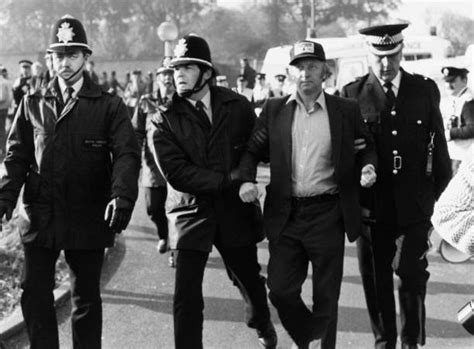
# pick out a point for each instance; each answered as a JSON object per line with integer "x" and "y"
{"x": 181, "y": 48}
{"x": 65, "y": 32}
{"x": 304, "y": 47}
{"x": 387, "y": 40}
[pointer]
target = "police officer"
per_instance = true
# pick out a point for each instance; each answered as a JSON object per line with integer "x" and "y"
{"x": 152, "y": 180}
{"x": 459, "y": 93}
{"x": 75, "y": 151}
{"x": 198, "y": 142}
{"x": 402, "y": 112}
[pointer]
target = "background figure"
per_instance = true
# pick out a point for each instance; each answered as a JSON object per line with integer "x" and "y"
{"x": 242, "y": 89}
{"x": 280, "y": 90}
{"x": 115, "y": 87}
{"x": 459, "y": 93}
{"x": 402, "y": 112}
{"x": 37, "y": 77}
{"x": 248, "y": 72}
{"x": 198, "y": 142}
{"x": 22, "y": 84}
{"x": 104, "y": 82}
{"x": 134, "y": 90}
{"x": 90, "y": 70}
{"x": 152, "y": 180}
{"x": 312, "y": 196}
{"x": 261, "y": 92}
{"x": 88, "y": 170}
{"x": 6, "y": 100}
{"x": 49, "y": 74}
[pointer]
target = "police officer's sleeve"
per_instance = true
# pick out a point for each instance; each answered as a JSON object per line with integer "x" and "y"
{"x": 125, "y": 153}
{"x": 20, "y": 155}
{"x": 176, "y": 166}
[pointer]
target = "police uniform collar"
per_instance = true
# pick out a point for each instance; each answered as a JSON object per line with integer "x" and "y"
{"x": 76, "y": 86}
{"x": 206, "y": 100}
{"x": 395, "y": 82}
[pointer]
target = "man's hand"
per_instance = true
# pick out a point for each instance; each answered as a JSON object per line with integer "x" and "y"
{"x": 359, "y": 144}
{"x": 118, "y": 213}
{"x": 249, "y": 192}
{"x": 6, "y": 209}
{"x": 368, "y": 176}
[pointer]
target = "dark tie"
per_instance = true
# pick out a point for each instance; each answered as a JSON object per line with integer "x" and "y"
{"x": 69, "y": 92}
{"x": 202, "y": 113}
{"x": 390, "y": 95}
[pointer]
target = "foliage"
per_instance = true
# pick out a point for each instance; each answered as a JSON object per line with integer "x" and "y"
{"x": 458, "y": 29}
{"x": 120, "y": 29}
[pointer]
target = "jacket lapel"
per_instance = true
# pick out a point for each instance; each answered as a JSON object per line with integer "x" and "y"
{"x": 284, "y": 122}
{"x": 336, "y": 128}
{"x": 372, "y": 95}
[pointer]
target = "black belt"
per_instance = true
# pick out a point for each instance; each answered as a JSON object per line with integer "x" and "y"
{"x": 303, "y": 200}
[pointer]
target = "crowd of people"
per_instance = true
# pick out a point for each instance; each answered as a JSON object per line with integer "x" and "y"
{"x": 367, "y": 164}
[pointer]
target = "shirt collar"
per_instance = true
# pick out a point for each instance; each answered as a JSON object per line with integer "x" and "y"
{"x": 395, "y": 82}
{"x": 206, "y": 100}
{"x": 321, "y": 100}
{"x": 77, "y": 86}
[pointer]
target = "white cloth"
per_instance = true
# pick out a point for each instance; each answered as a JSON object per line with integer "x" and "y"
{"x": 453, "y": 216}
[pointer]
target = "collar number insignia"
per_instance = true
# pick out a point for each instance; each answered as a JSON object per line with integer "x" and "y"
{"x": 181, "y": 48}
{"x": 65, "y": 33}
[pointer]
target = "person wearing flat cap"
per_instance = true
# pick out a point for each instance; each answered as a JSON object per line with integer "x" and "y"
{"x": 402, "y": 113}
{"x": 312, "y": 198}
{"x": 152, "y": 181}
{"x": 198, "y": 142}
{"x": 458, "y": 123}
{"x": 73, "y": 148}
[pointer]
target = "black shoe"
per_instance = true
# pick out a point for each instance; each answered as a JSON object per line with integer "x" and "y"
{"x": 267, "y": 336}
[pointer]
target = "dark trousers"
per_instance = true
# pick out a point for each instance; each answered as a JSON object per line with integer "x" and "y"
{"x": 244, "y": 270}
{"x": 37, "y": 299}
{"x": 155, "y": 199}
{"x": 384, "y": 250}
{"x": 314, "y": 234}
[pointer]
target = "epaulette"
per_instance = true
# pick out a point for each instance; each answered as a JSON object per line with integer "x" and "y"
{"x": 422, "y": 77}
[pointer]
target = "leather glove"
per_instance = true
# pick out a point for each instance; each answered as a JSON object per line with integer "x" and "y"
{"x": 6, "y": 208}
{"x": 118, "y": 213}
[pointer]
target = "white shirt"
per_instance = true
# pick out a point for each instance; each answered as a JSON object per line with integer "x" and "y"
{"x": 206, "y": 100}
{"x": 395, "y": 83}
{"x": 312, "y": 167}
{"x": 77, "y": 87}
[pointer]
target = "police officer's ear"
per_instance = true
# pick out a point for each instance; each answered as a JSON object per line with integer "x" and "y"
{"x": 86, "y": 56}
{"x": 207, "y": 74}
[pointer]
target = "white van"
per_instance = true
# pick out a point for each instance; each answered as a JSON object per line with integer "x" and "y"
{"x": 347, "y": 56}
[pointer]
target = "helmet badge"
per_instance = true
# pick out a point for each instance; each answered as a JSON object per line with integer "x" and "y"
{"x": 65, "y": 33}
{"x": 181, "y": 48}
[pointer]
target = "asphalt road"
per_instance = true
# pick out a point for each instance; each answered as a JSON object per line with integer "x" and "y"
{"x": 138, "y": 291}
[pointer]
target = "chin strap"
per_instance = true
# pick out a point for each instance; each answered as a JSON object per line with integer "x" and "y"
{"x": 76, "y": 72}
{"x": 198, "y": 86}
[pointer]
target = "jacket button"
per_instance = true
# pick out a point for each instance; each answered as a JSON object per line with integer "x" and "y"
{"x": 395, "y": 152}
{"x": 395, "y": 172}
{"x": 394, "y": 132}
{"x": 393, "y": 113}
{"x": 418, "y": 122}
